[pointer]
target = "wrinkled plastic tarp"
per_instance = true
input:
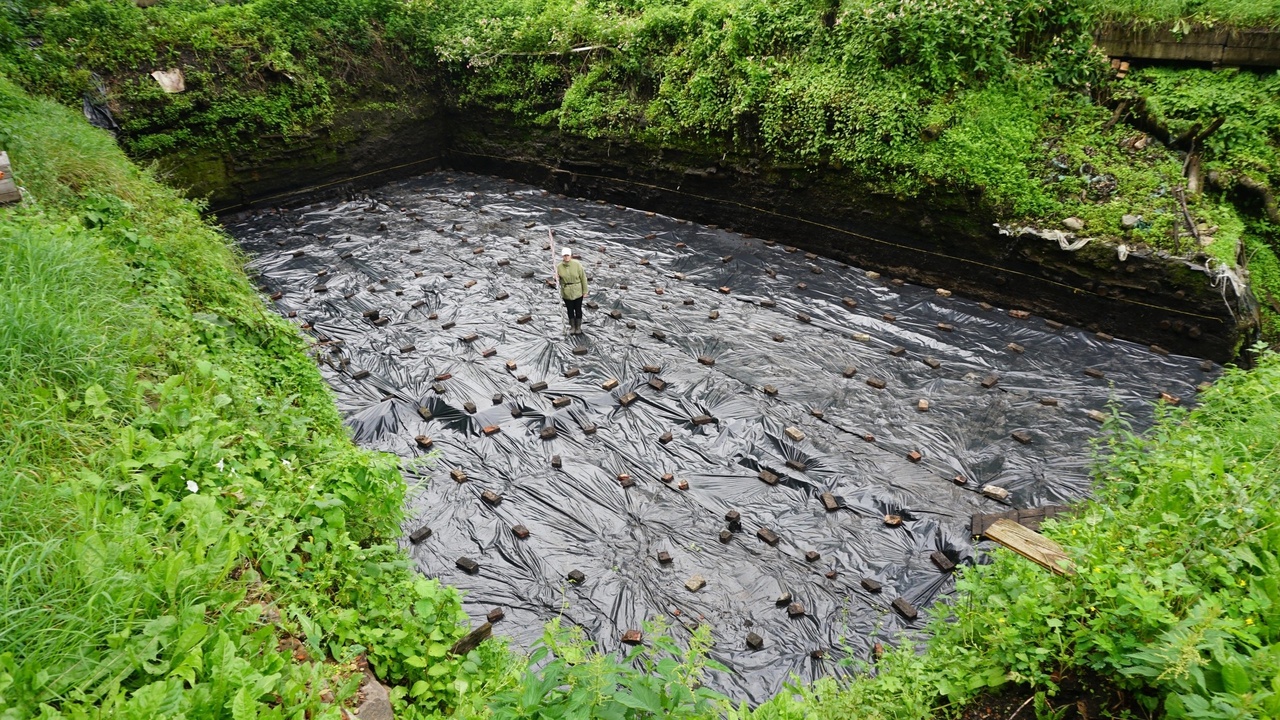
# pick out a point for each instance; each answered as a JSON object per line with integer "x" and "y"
{"x": 447, "y": 255}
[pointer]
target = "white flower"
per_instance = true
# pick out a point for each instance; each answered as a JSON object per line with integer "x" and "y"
{"x": 192, "y": 486}
{"x": 287, "y": 465}
{"x": 219, "y": 465}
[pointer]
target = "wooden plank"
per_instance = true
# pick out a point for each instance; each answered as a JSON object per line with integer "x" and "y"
{"x": 1031, "y": 545}
{"x": 472, "y": 639}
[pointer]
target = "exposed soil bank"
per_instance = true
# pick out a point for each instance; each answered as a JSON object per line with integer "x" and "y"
{"x": 947, "y": 239}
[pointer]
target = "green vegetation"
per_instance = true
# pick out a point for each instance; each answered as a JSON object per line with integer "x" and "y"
{"x": 179, "y": 497}
{"x": 185, "y": 528}
{"x": 1182, "y": 15}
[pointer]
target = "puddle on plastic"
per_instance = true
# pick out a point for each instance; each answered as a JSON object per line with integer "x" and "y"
{"x": 730, "y": 320}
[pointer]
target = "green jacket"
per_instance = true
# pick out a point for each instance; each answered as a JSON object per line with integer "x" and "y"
{"x": 573, "y": 279}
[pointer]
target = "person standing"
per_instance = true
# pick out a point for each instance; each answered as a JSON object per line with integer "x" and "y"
{"x": 573, "y": 288}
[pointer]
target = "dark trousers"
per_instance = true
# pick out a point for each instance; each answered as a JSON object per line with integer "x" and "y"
{"x": 575, "y": 310}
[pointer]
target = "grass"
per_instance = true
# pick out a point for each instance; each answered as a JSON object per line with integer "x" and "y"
{"x": 180, "y": 507}
{"x": 1185, "y": 14}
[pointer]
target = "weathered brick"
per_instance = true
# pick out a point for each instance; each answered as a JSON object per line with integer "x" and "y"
{"x": 469, "y": 406}
{"x": 876, "y": 383}
{"x": 609, "y": 384}
{"x": 491, "y": 498}
{"x": 651, "y": 368}
{"x": 458, "y": 475}
{"x": 547, "y": 433}
{"x": 754, "y": 641}
{"x": 706, "y": 360}
{"x": 1049, "y": 402}
{"x": 665, "y": 437}
{"x": 914, "y": 456}
{"x": 628, "y": 398}
{"x": 1019, "y": 314}
{"x": 520, "y": 531}
{"x": 467, "y": 565}
{"x": 658, "y": 384}
{"x": 695, "y": 583}
{"x": 538, "y": 386}
{"x": 768, "y": 536}
{"x": 1021, "y": 436}
{"x": 572, "y": 372}
{"x": 423, "y": 441}
{"x": 495, "y": 615}
{"x": 829, "y": 502}
{"x": 892, "y": 520}
{"x": 359, "y": 374}
{"x": 990, "y": 381}
{"x": 897, "y": 351}
{"x": 795, "y": 610}
{"x": 768, "y": 477}
{"x": 625, "y": 480}
{"x": 488, "y": 352}
{"x": 849, "y": 371}
{"x": 943, "y": 562}
{"x": 556, "y": 462}
{"x": 812, "y": 556}
{"x": 1016, "y": 348}
{"x": 871, "y": 585}
{"x": 904, "y": 608}
{"x": 632, "y": 637}
{"x": 798, "y": 465}
{"x": 702, "y": 419}
{"x": 420, "y": 534}
{"x": 492, "y": 430}
{"x": 995, "y": 492}
{"x": 664, "y": 557}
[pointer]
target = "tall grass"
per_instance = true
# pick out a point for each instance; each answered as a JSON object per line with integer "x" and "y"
{"x": 177, "y": 492}
{"x": 1183, "y": 14}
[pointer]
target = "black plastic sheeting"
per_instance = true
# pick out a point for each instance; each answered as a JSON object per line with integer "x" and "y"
{"x": 448, "y": 255}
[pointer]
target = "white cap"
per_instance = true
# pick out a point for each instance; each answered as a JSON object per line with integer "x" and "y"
{"x": 566, "y": 252}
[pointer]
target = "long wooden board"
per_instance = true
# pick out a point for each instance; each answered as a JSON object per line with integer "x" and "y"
{"x": 1030, "y": 517}
{"x": 1031, "y": 545}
